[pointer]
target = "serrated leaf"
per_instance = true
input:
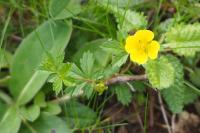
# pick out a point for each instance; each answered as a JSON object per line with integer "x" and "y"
{"x": 101, "y": 57}
{"x": 128, "y": 20}
{"x": 88, "y": 90}
{"x": 119, "y": 60}
{"x": 64, "y": 9}
{"x": 48, "y": 124}
{"x": 57, "y": 85}
{"x": 112, "y": 46}
{"x": 64, "y": 69}
{"x": 174, "y": 95}
{"x": 53, "y": 109}
{"x": 123, "y": 93}
{"x": 189, "y": 95}
{"x": 30, "y": 113}
{"x": 79, "y": 115}
{"x": 184, "y": 39}
{"x": 87, "y": 63}
{"x": 195, "y": 77}
{"x": 160, "y": 72}
{"x": 78, "y": 88}
{"x": 26, "y": 80}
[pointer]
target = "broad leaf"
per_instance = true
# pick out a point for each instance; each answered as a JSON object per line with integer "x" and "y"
{"x": 26, "y": 80}
{"x": 48, "y": 124}
{"x": 10, "y": 122}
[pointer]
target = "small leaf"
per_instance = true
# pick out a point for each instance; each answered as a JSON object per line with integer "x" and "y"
{"x": 53, "y": 109}
{"x": 57, "y": 85}
{"x": 30, "y": 113}
{"x": 160, "y": 73}
{"x": 123, "y": 93}
{"x": 39, "y": 99}
{"x": 120, "y": 59}
{"x": 79, "y": 88}
{"x": 87, "y": 63}
{"x": 88, "y": 90}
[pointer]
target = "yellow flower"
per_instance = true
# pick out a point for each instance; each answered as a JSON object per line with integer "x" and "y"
{"x": 141, "y": 46}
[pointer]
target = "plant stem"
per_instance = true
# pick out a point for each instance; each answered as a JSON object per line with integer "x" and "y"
{"x": 122, "y": 78}
{"x": 164, "y": 113}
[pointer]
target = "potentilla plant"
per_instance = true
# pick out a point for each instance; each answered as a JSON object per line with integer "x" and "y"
{"x": 90, "y": 51}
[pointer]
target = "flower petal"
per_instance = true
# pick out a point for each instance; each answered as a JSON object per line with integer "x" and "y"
{"x": 139, "y": 57}
{"x": 152, "y": 49}
{"x": 131, "y": 44}
{"x": 145, "y": 35}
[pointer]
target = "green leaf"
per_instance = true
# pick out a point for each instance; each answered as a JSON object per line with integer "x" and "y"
{"x": 53, "y": 109}
{"x": 101, "y": 57}
{"x": 120, "y": 59}
{"x": 57, "y": 85}
{"x": 10, "y": 123}
{"x": 128, "y": 20}
{"x": 124, "y": 94}
{"x": 64, "y": 9}
{"x": 184, "y": 39}
{"x": 79, "y": 88}
{"x": 79, "y": 115}
{"x": 88, "y": 90}
{"x": 112, "y": 46}
{"x": 195, "y": 77}
{"x": 26, "y": 80}
{"x": 30, "y": 113}
{"x": 174, "y": 95}
{"x": 119, "y": 56}
{"x": 39, "y": 99}
{"x": 189, "y": 95}
{"x": 48, "y": 124}
{"x": 160, "y": 72}
{"x": 5, "y": 58}
{"x": 3, "y": 108}
{"x": 87, "y": 63}
{"x": 121, "y": 3}
{"x": 64, "y": 69}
